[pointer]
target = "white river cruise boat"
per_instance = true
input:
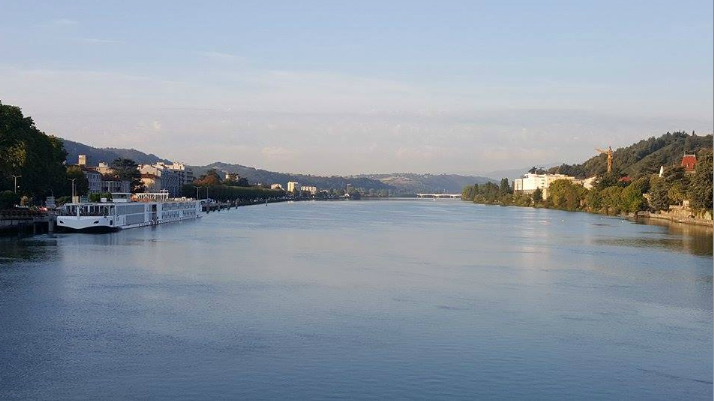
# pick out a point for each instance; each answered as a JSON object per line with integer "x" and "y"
{"x": 123, "y": 212}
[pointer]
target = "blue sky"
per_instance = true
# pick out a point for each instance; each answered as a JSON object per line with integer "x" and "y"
{"x": 351, "y": 87}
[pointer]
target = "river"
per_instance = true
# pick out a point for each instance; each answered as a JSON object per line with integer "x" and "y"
{"x": 395, "y": 299}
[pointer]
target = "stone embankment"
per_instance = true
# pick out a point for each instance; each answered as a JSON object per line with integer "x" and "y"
{"x": 680, "y": 214}
{"x": 25, "y": 221}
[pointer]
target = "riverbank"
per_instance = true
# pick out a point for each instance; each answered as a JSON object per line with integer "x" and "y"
{"x": 676, "y": 219}
{"x": 676, "y": 214}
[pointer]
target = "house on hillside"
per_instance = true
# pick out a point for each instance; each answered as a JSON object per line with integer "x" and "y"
{"x": 689, "y": 162}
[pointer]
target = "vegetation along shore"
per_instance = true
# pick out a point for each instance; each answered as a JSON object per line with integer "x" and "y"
{"x": 668, "y": 178}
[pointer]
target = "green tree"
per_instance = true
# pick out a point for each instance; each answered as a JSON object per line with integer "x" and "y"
{"x": 538, "y": 196}
{"x": 612, "y": 199}
{"x": 504, "y": 187}
{"x": 211, "y": 178}
{"x": 128, "y": 170}
{"x": 701, "y": 184}
{"x": 632, "y": 200}
{"x": 659, "y": 193}
{"x": 81, "y": 185}
{"x": 8, "y": 199}
{"x": 27, "y": 152}
{"x": 564, "y": 194}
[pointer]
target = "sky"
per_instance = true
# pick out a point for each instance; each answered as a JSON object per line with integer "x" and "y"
{"x": 339, "y": 87}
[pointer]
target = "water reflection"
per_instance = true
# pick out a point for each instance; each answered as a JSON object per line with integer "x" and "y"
{"x": 32, "y": 249}
{"x": 369, "y": 300}
{"x": 694, "y": 239}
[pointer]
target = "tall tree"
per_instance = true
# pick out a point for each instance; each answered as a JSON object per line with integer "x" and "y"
{"x": 211, "y": 178}
{"x": 128, "y": 170}
{"x": 81, "y": 185}
{"x": 504, "y": 187}
{"x": 701, "y": 183}
{"x": 27, "y": 152}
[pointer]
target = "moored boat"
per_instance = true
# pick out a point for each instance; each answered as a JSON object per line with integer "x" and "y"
{"x": 127, "y": 211}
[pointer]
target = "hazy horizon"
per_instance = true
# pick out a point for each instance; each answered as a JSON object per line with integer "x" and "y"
{"x": 344, "y": 89}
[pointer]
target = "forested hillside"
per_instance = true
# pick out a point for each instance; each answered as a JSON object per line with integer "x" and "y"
{"x": 255, "y": 175}
{"x": 96, "y": 155}
{"x": 642, "y": 158}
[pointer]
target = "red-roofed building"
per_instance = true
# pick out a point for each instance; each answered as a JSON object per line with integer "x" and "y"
{"x": 689, "y": 162}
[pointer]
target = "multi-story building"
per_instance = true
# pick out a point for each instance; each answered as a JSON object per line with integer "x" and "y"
{"x": 158, "y": 177}
{"x": 104, "y": 168}
{"x": 94, "y": 179}
{"x": 184, "y": 173}
{"x": 293, "y": 187}
{"x": 82, "y": 160}
{"x": 311, "y": 189}
{"x": 530, "y": 182}
{"x": 116, "y": 186}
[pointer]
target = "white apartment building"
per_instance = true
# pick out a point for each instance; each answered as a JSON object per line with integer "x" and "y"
{"x": 158, "y": 177}
{"x": 530, "y": 182}
{"x": 311, "y": 189}
{"x": 293, "y": 186}
{"x": 184, "y": 173}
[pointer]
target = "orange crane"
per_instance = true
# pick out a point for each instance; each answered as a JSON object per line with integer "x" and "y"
{"x": 608, "y": 152}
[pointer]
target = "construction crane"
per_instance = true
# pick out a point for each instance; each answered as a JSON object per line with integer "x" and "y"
{"x": 607, "y": 152}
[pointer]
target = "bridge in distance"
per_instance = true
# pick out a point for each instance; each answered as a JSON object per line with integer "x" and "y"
{"x": 435, "y": 196}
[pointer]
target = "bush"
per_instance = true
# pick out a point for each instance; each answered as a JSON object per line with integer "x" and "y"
{"x": 8, "y": 199}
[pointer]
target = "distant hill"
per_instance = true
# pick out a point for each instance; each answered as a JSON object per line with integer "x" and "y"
{"x": 410, "y": 183}
{"x": 255, "y": 175}
{"x": 406, "y": 183}
{"x": 641, "y": 158}
{"x": 96, "y": 155}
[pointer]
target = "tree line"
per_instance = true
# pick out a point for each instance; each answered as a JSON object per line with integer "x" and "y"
{"x": 612, "y": 195}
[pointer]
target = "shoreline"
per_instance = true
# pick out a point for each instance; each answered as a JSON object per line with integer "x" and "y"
{"x": 628, "y": 216}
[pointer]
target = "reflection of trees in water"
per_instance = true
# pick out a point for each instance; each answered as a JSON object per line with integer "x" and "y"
{"x": 690, "y": 238}
{"x": 17, "y": 249}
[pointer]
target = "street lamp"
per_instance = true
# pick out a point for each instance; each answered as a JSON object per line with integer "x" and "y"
{"x": 16, "y": 177}
{"x": 72, "y": 179}
{"x": 196, "y": 192}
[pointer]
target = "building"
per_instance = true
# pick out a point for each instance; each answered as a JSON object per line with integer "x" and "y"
{"x": 116, "y": 186}
{"x": 152, "y": 182}
{"x": 530, "y": 182}
{"x": 104, "y": 168}
{"x": 94, "y": 179}
{"x": 232, "y": 177}
{"x": 184, "y": 173}
{"x": 311, "y": 189}
{"x": 158, "y": 177}
{"x": 276, "y": 186}
{"x": 293, "y": 186}
{"x": 82, "y": 160}
{"x": 689, "y": 162}
{"x": 589, "y": 183}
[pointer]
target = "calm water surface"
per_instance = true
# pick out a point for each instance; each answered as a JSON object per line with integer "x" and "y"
{"x": 361, "y": 300}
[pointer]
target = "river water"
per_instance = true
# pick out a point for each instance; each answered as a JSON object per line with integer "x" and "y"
{"x": 361, "y": 300}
